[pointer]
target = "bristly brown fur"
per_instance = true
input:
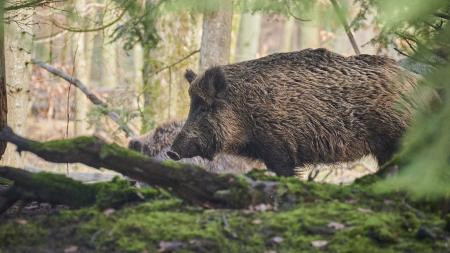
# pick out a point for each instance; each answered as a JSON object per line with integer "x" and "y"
{"x": 288, "y": 109}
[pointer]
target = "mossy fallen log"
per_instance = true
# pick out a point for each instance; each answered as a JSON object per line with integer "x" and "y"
{"x": 190, "y": 183}
{"x": 58, "y": 189}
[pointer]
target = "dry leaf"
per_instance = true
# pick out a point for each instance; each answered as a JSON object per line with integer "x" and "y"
{"x": 336, "y": 225}
{"x": 71, "y": 249}
{"x": 319, "y": 243}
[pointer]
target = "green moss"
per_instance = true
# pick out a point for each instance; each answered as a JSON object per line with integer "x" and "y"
{"x": 21, "y": 235}
{"x": 172, "y": 164}
{"x": 4, "y": 181}
{"x": 369, "y": 223}
{"x": 64, "y": 145}
{"x": 239, "y": 193}
{"x": 116, "y": 150}
{"x": 116, "y": 193}
{"x": 63, "y": 189}
{"x": 410, "y": 221}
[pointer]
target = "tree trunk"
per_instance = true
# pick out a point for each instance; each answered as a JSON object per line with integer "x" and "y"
{"x": 17, "y": 57}
{"x": 289, "y": 27}
{"x": 150, "y": 89}
{"x": 248, "y": 38}
{"x": 3, "y": 98}
{"x": 110, "y": 70}
{"x": 309, "y": 35}
{"x": 82, "y": 72}
{"x": 216, "y": 37}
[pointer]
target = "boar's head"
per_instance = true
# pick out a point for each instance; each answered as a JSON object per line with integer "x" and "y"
{"x": 213, "y": 124}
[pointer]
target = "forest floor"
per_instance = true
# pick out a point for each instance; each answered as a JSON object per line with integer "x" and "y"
{"x": 314, "y": 218}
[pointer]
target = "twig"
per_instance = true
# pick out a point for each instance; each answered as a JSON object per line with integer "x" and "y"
{"x": 91, "y": 96}
{"x": 95, "y": 29}
{"x": 401, "y": 52}
{"x": 341, "y": 17}
{"x": 294, "y": 16}
{"x": 177, "y": 62}
{"x": 29, "y": 4}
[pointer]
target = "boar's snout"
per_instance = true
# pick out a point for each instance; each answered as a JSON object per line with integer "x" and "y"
{"x": 135, "y": 144}
{"x": 184, "y": 146}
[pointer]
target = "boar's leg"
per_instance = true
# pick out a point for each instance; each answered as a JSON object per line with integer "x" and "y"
{"x": 280, "y": 162}
{"x": 278, "y": 157}
{"x": 281, "y": 168}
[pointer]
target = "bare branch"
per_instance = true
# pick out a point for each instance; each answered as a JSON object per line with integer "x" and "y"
{"x": 343, "y": 20}
{"x": 89, "y": 94}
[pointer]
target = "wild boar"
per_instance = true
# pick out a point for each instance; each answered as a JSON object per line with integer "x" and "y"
{"x": 290, "y": 109}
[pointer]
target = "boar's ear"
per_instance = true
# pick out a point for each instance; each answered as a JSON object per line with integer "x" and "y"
{"x": 190, "y": 75}
{"x": 215, "y": 83}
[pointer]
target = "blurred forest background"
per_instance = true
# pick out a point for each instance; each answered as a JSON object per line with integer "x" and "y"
{"x": 132, "y": 54}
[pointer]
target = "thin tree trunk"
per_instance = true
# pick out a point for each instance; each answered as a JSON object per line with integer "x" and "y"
{"x": 81, "y": 67}
{"x": 289, "y": 27}
{"x": 110, "y": 70}
{"x": 150, "y": 89}
{"x": 248, "y": 38}
{"x": 3, "y": 98}
{"x": 216, "y": 37}
{"x": 309, "y": 34}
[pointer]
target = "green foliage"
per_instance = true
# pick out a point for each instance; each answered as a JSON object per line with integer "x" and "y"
{"x": 424, "y": 156}
{"x": 283, "y": 7}
{"x": 140, "y": 27}
{"x": 410, "y": 26}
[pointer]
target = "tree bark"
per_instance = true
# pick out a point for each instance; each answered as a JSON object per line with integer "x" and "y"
{"x": 216, "y": 37}
{"x": 18, "y": 46}
{"x": 190, "y": 183}
{"x": 248, "y": 38}
{"x": 81, "y": 71}
{"x": 289, "y": 27}
{"x": 309, "y": 34}
{"x": 3, "y": 96}
{"x": 150, "y": 89}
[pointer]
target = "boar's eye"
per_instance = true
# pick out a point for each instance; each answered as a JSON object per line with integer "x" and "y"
{"x": 198, "y": 104}
{"x": 197, "y": 101}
